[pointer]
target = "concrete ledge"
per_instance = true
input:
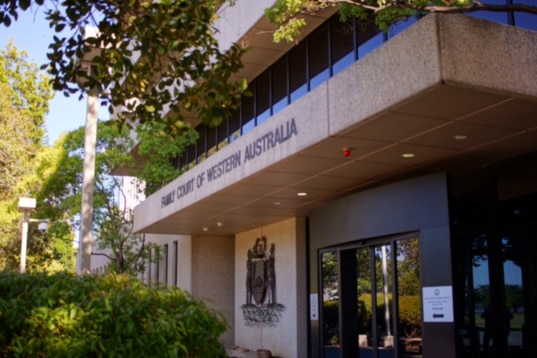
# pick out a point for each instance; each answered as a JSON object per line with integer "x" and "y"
{"x": 489, "y": 56}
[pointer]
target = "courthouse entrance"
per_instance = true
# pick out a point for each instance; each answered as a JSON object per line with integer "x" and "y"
{"x": 495, "y": 243}
{"x": 371, "y": 298}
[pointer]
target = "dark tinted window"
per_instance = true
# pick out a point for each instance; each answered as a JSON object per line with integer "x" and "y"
{"x": 248, "y": 114}
{"x": 318, "y": 56}
{"x": 342, "y": 37}
{"x": 298, "y": 71}
{"x": 279, "y": 84}
{"x": 263, "y": 97}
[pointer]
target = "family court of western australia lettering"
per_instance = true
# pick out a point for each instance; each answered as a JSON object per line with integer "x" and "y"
{"x": 270, "y": 140}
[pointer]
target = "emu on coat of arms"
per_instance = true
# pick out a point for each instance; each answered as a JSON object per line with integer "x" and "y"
{"x": 261, "y": 286}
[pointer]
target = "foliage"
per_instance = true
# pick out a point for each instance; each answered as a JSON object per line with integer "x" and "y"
{"x": 61, "y": 194}
{"x": 111, "y": 316}
{"x": 24, "y": 97}
{"x": 330, "y": 269}
{"x": 408, "y": 267}
{"x": 288, "y": 15}
{"x": 410, "y": 316}
{"x": 24, "y": 100}
{"x": 157, "y": 147}
{"x": 60, "y": 199}
{"x": 181, "y": 67}
{"x": 331, "y": 323}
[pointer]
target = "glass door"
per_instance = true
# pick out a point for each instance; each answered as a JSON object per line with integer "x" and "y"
{"x": 372, "y": 299}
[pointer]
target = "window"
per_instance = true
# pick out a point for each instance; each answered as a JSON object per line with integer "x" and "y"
{"x": 263, "y": 97}
{"x": 318, "y": 56}
{"x": 166, "y": 262}
{"x": 298, "y": 71}
{"x": 175, "y": 263}
{"x": 342, "y": 41}
{"x": 280, "y": 85}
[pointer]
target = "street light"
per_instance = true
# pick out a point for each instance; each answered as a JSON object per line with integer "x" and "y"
{"x": 26, "y": 205}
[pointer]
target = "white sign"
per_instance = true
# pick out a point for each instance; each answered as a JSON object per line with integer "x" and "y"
{"x": 438, "y": 304}
{"x": 314, "y": 307}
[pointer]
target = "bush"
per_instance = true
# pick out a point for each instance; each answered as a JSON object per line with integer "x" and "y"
{"x": 113, "y": 316}
{"x": 410, "y": 315}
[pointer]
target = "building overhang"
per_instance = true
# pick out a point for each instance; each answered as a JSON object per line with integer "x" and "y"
{"x": 453, "y": 92}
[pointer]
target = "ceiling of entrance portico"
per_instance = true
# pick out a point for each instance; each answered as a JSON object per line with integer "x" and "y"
{"x": 496, "y": 128}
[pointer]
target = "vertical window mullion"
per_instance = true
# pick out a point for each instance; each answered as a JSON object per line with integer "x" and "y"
{"x": 288, "y": 77}
{"x": 355, "y": 38}
{"x": 308, "y": 74}
{"x": 255, "y": 102}
{"x": 271, "y": 99}
{"x": 206, "y": 144}
{"x": 241, "y": 117}
{"x": 395, "y": 296}
{"x": 510, "y": 14}
{"x": 157, "y": 266}
{"x": 330, "y": 54}
{"x": 176, "y": 263}
{"x": 166, "y": 262}
{"x": 375, "y": 338}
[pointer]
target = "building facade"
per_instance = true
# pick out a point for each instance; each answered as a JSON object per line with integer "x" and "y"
{"x": 375, "y": 197}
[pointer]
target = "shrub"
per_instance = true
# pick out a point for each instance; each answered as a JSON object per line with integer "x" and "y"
{"x": 113, "y": 316}
{"x": 331, "y": 323}
{"x": 410, "y": 315}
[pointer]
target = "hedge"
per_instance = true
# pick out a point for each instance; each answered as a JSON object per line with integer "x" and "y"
{"x": 64, "y": 315}
{"x": 410, "y": 316}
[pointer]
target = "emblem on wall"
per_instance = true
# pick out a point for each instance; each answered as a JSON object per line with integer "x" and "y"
{"x": 261, "y": 307}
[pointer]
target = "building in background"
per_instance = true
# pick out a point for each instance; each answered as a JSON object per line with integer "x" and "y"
{"x": 375, "y": 197}
{"x": 129, "y": 193}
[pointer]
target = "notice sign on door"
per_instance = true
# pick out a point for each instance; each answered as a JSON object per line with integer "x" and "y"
{"x": 314, "y": 307}
{"x": 438, "y": 304}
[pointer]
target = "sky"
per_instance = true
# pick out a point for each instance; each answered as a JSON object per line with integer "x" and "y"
{"x": 32, "y": 34}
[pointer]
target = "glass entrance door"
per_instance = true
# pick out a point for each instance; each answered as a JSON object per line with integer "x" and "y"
{"x": 372, "y": 299}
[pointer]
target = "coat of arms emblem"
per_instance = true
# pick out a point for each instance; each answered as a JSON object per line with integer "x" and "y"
{"x": 260, "y": 277}
{"x": 261, "y": 307}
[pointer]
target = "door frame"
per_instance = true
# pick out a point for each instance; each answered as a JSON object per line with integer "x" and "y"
{"x": 347, "y": 292}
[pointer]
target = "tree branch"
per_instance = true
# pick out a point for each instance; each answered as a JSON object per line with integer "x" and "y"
{"x": 450, "y": 7}
{"x": 103, "y": 254}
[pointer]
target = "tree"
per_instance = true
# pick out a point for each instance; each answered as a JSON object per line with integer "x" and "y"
{"x": 24, "y": 97}
{"x": 288, "y": 14}
{"x": 61, "y": 174}
{"x": 146, "y": 56}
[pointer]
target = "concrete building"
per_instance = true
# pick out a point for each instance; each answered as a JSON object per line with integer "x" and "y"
{"x": 376, "y": 197}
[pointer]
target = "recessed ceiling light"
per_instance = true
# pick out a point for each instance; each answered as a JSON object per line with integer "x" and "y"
{"x": 408, "y": 155}
{"x": 302, "y": 193}
{"x": 205, "y": 229}
{"x": 277, "y": 203}
{"x": 219, "y": 224}
{"x": 460, "y": 137}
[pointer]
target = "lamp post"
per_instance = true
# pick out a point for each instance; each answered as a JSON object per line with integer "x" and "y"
{"x": 26, "y": 205}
